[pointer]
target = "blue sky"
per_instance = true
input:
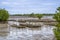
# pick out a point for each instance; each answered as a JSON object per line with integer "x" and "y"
{"x": 29, "y": 6}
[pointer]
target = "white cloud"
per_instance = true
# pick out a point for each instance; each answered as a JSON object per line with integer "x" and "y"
{"x": 5, "y": 3}
{"x": 10, "y": 3}
{"x": 48, "y": 3}
{"x": 23, "y": 6}
{"x": 15, "y": 3}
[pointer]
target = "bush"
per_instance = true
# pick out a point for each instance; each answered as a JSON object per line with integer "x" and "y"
{"x": 4, "y": 15}
{"x": 39, "y": 15}
{"x": 57, "y": 30}
{"x": 57, "y": 34}
{"x": 57, "y": 15}
{"x": 36, "y": 15}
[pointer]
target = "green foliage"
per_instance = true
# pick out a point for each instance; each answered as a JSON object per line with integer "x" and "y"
{"x": 57, "y": 34}
{"x": 58, "y": 9}
{"x": 31, "y": 15}
{"x": 57, "y": 15}
{"x": 58, "y": 25}
{"x": 38, "y": 15}
{"x": 4, "y": 15}
{"x": 57, "y": 30}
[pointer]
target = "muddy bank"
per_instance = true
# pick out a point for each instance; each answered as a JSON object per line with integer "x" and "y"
{"x": 43, "y": 33}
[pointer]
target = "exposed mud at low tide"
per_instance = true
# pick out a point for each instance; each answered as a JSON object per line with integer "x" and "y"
{"x": 43, "y": 33}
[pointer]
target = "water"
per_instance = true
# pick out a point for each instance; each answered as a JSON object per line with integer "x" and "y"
{"x": 43, "y": 33}
{"x": 47, "y": 17}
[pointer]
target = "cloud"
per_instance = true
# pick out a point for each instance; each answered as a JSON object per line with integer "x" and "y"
{"x": 5, "y": 3}
{"x": 35, "y": 10}
{"x": 28, "y": 6}
{"x": 49, "y": 4}
{"x": 10, "y": 3}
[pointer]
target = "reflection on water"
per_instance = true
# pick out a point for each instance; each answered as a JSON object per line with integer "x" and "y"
{"x": 43, "y": 33}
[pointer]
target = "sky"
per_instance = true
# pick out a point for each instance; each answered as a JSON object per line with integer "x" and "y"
{"x": 30, "y": 6}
